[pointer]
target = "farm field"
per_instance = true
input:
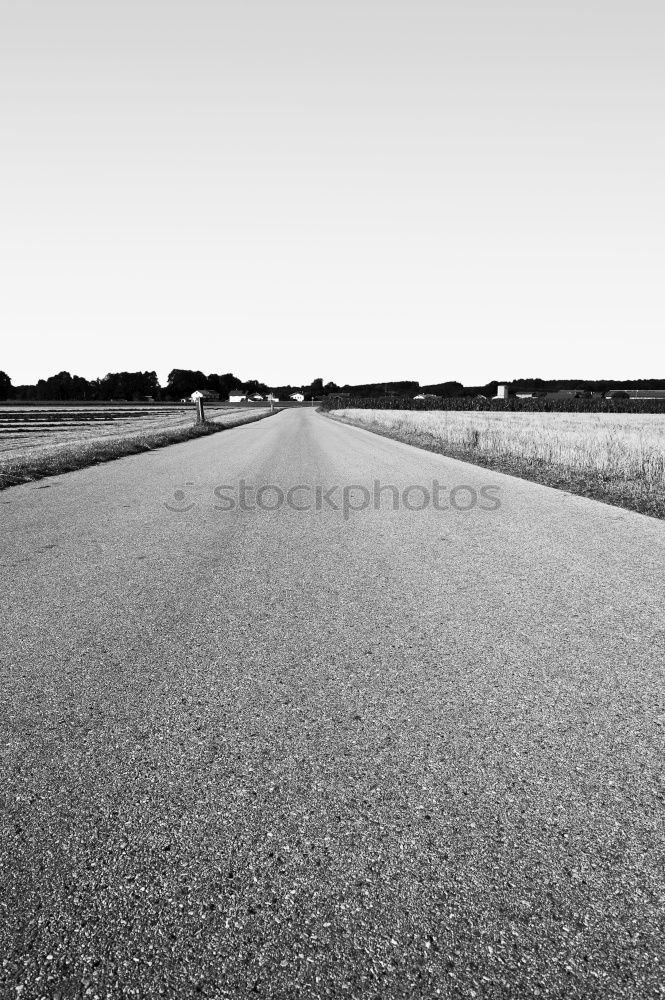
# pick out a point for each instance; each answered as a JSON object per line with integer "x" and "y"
{"x": 617, "y": 458}
{"x": 44, "y": 440}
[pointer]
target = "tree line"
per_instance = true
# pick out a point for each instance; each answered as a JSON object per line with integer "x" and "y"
{"x": 182, "y": 382}
{"x": 547, "y": 404}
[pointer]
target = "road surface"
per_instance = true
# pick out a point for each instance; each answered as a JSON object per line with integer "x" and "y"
{"x": 317, "y": 753}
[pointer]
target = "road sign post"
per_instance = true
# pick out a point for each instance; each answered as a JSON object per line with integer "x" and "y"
{"x": 200, "y": 412}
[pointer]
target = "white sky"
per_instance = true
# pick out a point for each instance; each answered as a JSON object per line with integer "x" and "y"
{"x": 352, "y": 189}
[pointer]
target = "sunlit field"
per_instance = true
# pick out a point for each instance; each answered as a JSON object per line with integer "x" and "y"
{"x": 31, "y": 429}
{"x": 47, "y": 440}
{"x": 611, "y": 448}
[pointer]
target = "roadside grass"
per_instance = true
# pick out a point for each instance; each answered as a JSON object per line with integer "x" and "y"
{"x": 616, "y": 458}
{"x": 35, "y": 462}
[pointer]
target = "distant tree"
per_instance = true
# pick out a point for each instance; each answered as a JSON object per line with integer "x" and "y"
{"x": 150, "y": 383}
{"x": 24, "y": 392}
{"x": 223, "y": 384}
{"x": 282, "y": 391}
{"x": 5, "y": 386}
{"x": 317, "y": 387}
{"x": 182, "y": 382}
{"x": 228, "y": 382}
{"x": 445, "y": 389}
{"x": 128, "y": 385}
{"x": 64, "y": 386}
{"x": 253, "y": 386}
{"x": 374, "y": 390}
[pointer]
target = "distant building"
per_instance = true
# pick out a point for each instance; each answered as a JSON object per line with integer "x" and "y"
{"x": 298, "y": 396}
{"x": 255, "y": 397}
{"x": 501, "y": 392}
{"x": 237, "y": 396}
{"x": 204, "y": 394}
{"x": 636, "y": 393}
{"x": 272, "y": 398}
{"x": 564, "y": 394}
{"x": 426, "y": 395}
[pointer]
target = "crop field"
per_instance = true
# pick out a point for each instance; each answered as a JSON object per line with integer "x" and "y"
{"x": 617, "y": 457}
{"x": 44, "y": 440}
{"x": 29, "y": 427}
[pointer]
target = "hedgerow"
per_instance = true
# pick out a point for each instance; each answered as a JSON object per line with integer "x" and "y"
{"x": 512, "y": 404}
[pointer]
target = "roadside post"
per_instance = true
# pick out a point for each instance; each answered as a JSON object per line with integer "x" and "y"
{"x": 200, "y": 412}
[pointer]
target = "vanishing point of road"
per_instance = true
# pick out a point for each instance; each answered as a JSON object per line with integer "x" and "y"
{"x": 288, "y": 753}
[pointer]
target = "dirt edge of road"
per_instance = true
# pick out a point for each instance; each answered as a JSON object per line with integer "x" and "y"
{"x": 619, "y": 493}
{"x": 79, "y": 456}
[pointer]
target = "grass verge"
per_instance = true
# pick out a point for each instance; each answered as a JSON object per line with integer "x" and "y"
{"x": 69, "y": 458}
{"x": 630, "y": 494}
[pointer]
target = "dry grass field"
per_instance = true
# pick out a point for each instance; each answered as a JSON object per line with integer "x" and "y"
{"x": 47, "y": 440}
{"x": 619, "y": 458}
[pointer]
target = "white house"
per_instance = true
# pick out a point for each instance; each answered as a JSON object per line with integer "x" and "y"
{"x": 237, "y": 396}
{"x": 298, "y": 396}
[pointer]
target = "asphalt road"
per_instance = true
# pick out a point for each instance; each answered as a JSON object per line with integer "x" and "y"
{"x": 291, "y": 753}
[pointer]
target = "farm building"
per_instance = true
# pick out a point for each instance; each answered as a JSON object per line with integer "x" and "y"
{"x": 558, "y": 394}
{"x": 256, "y": 397}
{"x": 204, "y": 394}
{"x": 298, "y": 396}
{"x": 637, "y": 393}
{"x": 237, "y": 396}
